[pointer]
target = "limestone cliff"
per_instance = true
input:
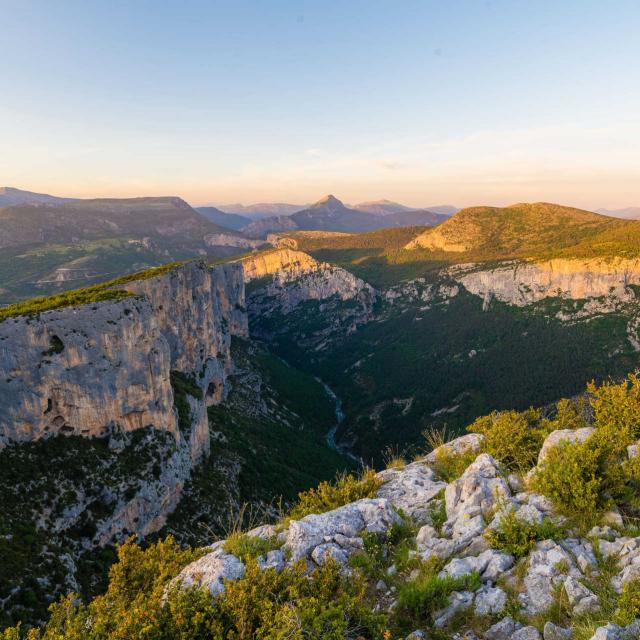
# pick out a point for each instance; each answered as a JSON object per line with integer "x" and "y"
{"x": 87, "y": 370}
{"x": 522, "y": 283}
{"x": 327, "y": 299}
{"x": 106, "y": 369}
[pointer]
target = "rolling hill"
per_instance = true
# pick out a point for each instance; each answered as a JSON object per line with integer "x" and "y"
{"x": 50, "y": 247}
{"x": 518, "y": 230}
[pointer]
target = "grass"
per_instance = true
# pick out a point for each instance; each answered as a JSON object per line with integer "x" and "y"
{"x": 87, "y": 295}
{"x": 518, "y": 537}
{"x": 248, "y": 547}
{"x": 344, "y": 489}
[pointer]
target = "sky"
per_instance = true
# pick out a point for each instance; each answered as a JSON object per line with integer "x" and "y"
{"x": 423, "y": 102}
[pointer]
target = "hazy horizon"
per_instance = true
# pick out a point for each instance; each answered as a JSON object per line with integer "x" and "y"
{"x": 425, "y": 103}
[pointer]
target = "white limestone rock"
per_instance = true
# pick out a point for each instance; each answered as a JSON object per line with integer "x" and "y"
{"x": 411, "y": 489}
{"x": 211, "y": 571}
{"x": 563, "y": 435}
{"x": 374, "y": 515}
{"x": 474, "y": 496}
{"x": 526, "y": 633}
{"x": 463, "y": 444}
{"x": 458, "y": 600}
{"x": 502, "y": 630}
{"x": 581, "y": 599}
{"x": 490, "y": 601}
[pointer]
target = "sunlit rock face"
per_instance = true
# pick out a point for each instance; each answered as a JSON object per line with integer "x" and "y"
{"x": 89, "y": 369}
{"x": 522, "y": 283}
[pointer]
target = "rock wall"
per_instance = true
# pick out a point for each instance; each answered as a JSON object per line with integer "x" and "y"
{"x": 89, "y": 369}
{"x": 104, "y": 369}
{"x": 521, "y": 283}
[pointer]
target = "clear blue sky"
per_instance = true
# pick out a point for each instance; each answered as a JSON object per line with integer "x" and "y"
{"x": 423, "y": 102}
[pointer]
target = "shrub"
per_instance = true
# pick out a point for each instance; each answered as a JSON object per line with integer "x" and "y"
{"x": 517, "y": 537}
{"x": 264, "y": 604}
{"x": 617, "y": 406}
{"x": 629, "y": 603}
{"x": 449, "y": 465}
{"x": 419, "y": 599}
{"x": 583, "y": 479}
{"x": 513, "y": 438}
{"x": 345, "y": 489}
{"x": 248, "y": 547}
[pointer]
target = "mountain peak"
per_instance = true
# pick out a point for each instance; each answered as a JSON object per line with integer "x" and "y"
{"x": 328, "y": 200}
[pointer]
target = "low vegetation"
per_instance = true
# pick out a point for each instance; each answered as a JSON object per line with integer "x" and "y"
{"x": 87, "y": 295}
{"x": 331, "y": 495}
{"x": 518, "y": 536}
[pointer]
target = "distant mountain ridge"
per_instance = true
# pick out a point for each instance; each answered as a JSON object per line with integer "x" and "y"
{"x": 261, "y": 209}
{"x": 228, "y": 220}
{"x": 11, "y": 196}
{"x": 628, "y": 213}
{"x": 330, "y": 214}
{"x": 388, "y": 207}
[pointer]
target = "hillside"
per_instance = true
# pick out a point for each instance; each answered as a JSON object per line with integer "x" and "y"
{"x": 522, "y": 529}
{"x": 52, "y": 247}
{"x": 106, "y": 218}
{"x": 517, "y": 230}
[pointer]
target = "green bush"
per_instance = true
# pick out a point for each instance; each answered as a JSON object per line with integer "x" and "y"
{"x": 264, "y": 604}
{"x": 419, "y": 599}
{"x": 248, "y": 547}
{"x": 449, "y": 465}
{"x": 629, "y": 603}
{"x": 517, "y": 536}
{"x": 583, "y": 479}
{"x": 513, "y": 438}
{"x": 331, "y": 495}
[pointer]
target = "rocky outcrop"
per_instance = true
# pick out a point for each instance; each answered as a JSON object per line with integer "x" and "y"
{"x": 104, "y": 369}
{"x": 522, "y": 283}
{"x": 493, "y": 582}
{"x": 280, "y": 282}
{"x": 91, "y": 369}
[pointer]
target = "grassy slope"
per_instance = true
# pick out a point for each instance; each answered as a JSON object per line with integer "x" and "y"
{"x": 86, "y": 295}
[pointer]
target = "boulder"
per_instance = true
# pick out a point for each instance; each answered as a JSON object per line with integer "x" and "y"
{"x": 554, "y": 632}
{"x": 411, "y": 489}
{"x": 211, "y": 571}
{"x": 502, "y": 630}
{"x": 526, "y": 633}
{"x": 474, "y": 496}
{"x": 463, "y": 444}
{"x": 490, "y": 601}
{"x": 581, "y": 599}
{"x": 374, "y": 515}
{"x": 273, "y": 560}
{"x": 458, "y": 600}
{"x": 563, "y": 435}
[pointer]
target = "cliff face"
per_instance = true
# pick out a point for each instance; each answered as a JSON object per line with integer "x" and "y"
{"x": 524, "y": 283}
{"x": 88, "y": 370}
{"x": 322, "y": 302}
